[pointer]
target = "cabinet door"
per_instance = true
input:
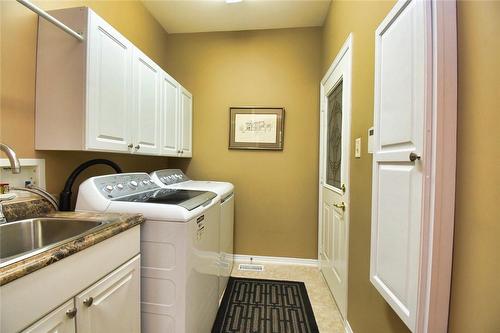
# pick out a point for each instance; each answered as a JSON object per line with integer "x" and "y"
{"x": 186, "y": 125}
{"x": 56, "y": 322}
{"x": 401, "y": 78}
{"x": 169, "y": 116}
{"x": 109, "y": 86}
{"x": 113, "y": 303}
{"x": 146, "y": 98}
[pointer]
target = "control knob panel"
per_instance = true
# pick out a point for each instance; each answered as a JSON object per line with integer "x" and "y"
{"x": 119, "y": 185}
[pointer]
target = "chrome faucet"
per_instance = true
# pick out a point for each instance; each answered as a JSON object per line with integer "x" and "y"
{"x": 15, "y": 167}
{"x": 11, "y": 154}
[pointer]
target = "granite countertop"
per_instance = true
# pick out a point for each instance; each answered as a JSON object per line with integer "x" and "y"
{"x": 35, "y": 207}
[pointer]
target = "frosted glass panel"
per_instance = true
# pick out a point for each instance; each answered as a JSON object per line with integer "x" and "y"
{"x": 334, "y": 137}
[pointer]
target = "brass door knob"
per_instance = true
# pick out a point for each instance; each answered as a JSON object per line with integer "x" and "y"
{"x": 340, "y": 205}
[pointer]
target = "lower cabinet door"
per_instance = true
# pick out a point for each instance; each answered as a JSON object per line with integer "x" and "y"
{"x": 113, "y": 303}
{"x": 61, "y": 320}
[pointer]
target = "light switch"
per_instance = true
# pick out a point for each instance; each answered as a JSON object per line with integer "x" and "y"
{"x": 357, "y": 149}
{"x": 370, "y": 140}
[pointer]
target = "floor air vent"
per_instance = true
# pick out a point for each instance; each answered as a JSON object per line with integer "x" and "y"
{"x": 251, "y": 267}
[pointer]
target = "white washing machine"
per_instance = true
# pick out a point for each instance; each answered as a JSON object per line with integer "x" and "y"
{"x": 176, "y": 179}
{"x": 179, "y": 248}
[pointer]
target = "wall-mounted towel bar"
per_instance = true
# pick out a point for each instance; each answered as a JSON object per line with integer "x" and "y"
{"x": 51, "y": 19}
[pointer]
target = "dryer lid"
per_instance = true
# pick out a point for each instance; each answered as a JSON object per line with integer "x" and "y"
{"x": 188, "y": 199}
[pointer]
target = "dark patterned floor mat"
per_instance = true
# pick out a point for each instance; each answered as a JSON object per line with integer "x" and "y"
{"x": 265, "y": 306}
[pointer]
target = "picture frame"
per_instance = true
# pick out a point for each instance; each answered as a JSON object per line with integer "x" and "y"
{"x": 256, "y": 128}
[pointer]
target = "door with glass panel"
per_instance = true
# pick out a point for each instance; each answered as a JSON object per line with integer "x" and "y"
{"x": 334, "y": 175}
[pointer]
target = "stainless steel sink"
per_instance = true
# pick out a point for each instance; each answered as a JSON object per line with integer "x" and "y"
{"x": 21, "y": 239}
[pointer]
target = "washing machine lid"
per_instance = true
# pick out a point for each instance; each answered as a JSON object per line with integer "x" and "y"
{"x": 189, "y": 199}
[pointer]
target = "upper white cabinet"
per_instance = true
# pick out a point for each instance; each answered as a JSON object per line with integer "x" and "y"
{"x": 104, "y": 94}
{"x": 109, "y": 82}
{"x": 170, "y": 116}
{"x": 146, "y": 95}
{"x": 186, "y": 119}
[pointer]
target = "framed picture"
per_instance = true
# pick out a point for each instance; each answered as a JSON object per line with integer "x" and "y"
{"x": 256, "y": 128}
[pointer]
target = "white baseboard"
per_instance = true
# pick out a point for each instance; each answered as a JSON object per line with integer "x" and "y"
{"x": 243, "y": 258}
{"x": 348, "y": 328}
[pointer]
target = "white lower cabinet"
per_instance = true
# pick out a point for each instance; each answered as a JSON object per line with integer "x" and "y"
{"x": 112, "y": 304}
{"x": 61, "y": 320}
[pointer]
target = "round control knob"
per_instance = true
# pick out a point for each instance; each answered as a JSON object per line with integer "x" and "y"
{"x": 109, "y": 188}
{"x": 119, "y": 186}
{"x": 145, "y": 182}
{"x": 133, "y": 183}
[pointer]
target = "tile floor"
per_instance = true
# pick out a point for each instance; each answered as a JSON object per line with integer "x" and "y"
{"x": 326, "y": 312}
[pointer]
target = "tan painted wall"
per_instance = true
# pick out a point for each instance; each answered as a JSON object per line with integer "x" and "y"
{"x": 18, "y": 60}
{"x": 276, "y": 205}
{"x": 367, "y": 310}
{"x": 475, "y": 301}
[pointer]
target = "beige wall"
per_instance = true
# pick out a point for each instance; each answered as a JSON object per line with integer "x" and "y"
{"x": 475, "y": 301}
{"x": 276, "y": 205}
{"x": 367, "y": 310}
{"x": 18, "y": 60}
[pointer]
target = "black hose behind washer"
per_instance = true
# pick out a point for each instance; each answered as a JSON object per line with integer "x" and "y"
{"x": 65, "y": 196}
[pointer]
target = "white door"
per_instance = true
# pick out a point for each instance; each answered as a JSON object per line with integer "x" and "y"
{"x": 186, "y": 118}
{"x": 401, "y": 71}
{"x": 146, "y": 97}
{"x": 109, "y": 83}
{"x": 113, "y": 303}
{"x": 61, "y": 320}
{"x": 169, "y": 116}
{"x": 334, "y": 175}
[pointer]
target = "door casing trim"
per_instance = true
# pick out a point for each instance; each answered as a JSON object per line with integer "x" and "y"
{"x": 345, "y": 51}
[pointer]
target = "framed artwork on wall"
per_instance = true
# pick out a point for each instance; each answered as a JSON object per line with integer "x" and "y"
{"x": 256, "y": 128}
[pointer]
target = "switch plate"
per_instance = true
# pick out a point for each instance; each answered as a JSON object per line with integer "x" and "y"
{"x": 357, "y": 149}
{"x": 370, "y": 140}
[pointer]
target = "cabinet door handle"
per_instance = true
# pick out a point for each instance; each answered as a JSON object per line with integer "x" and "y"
{"x": 88, "y": 301}
{"x": 131, "y": 145}
{"x": 71, "y": 313}
{"x": 138, "y": 147}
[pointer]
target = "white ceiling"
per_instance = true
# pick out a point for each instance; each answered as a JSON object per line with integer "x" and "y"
{"x": 182, "y": 16}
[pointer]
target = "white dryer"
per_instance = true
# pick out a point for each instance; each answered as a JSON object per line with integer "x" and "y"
{"x": 179, "y": 248}
{"x": 176, "y": 179}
